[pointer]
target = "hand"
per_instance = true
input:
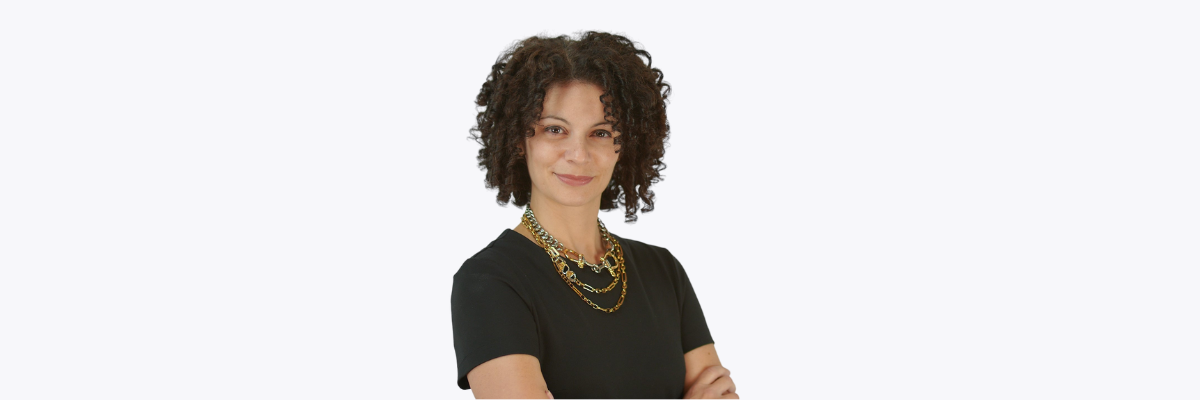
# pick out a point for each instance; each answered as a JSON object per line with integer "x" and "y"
{"x": 714, "y": 383}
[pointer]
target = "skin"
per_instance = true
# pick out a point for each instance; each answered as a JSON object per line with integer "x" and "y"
{"x": 572, "y": 138}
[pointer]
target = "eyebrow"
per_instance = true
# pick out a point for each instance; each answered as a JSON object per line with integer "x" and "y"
{"x": 569, "y": 122}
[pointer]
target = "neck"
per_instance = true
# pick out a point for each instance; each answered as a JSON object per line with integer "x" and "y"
{"x": 573, "y": 226}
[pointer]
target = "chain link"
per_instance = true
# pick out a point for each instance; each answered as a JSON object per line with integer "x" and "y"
{"x": 617, "y": 271}
{"x": 560, "y": 249}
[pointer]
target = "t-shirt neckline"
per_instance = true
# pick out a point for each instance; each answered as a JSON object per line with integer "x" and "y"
{"x": 519, "y": 236}
{"x": 533, "y": 245}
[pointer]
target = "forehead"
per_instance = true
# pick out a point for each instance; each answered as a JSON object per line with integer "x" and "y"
{"x": 575, "y": 98}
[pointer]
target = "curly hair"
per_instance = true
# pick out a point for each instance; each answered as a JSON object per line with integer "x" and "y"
{"x": 634, "y": 99}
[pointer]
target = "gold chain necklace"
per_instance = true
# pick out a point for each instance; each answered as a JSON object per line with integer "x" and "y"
{"x": 616, "y": 269}
{"x": 578, "y": 258}
{"x": 557, "y": 249}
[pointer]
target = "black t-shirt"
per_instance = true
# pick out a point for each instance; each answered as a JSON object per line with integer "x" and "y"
{"x": 509, "y": 299}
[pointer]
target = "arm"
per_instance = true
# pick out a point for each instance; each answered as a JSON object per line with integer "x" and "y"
{"x": 705, "y": 377}
{"x": 515, "y": 376}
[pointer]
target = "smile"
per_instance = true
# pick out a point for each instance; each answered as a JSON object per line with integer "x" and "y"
{"x": 574, "y": 180}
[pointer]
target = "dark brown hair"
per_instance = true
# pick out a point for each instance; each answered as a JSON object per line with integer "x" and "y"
{"x": 635, "y": 102}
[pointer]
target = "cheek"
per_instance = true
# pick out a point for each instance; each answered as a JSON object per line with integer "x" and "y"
{"x": 611, "y": 165}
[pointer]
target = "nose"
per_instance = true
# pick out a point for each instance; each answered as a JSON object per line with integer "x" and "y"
{"x": 576, "y": 149}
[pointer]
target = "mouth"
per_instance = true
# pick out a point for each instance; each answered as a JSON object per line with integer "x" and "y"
{"x": 574, "y": 180}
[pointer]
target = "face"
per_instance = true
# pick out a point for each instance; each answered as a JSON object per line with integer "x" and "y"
{"x": 572, "y": 153}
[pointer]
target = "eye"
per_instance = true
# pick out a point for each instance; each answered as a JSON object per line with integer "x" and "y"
{"x": 553, "y": 129}
{"x": 603, "y": 133}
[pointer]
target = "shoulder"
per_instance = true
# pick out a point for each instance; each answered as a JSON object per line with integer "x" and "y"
{"x": 648, "y": 253}
{"x": 651, "y": 258}
{"x": 489, "y": 261}
{"x": 497, "y": 272}
{"x": 656, "y": 264}
{"x": 503, "y": 259}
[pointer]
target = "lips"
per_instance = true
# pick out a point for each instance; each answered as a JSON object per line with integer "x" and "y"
{"x": 574, "y": 180}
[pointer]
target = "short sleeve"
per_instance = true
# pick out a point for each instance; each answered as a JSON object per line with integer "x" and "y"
{"x": 693, "y": 326}
{"x": 490, "y": 320}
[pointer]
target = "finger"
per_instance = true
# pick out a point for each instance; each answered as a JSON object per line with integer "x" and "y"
{"x": 711, "y": 374}
{"x": 722, "y": 385}
{"x": 730, "y": 396}
{"x": 548, "y": 394}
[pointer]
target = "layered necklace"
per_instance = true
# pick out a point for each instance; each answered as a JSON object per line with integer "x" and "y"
{"x": 560, "y": 254}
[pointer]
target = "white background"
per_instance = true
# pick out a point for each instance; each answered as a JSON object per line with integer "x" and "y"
{"x": 933, "y": 200}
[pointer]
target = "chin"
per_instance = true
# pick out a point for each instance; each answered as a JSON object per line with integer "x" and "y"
{"x": 573, "y": 202}
{"x": 574, "y": 199}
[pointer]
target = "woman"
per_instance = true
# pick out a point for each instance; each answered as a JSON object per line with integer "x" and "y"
{"x": 559, "y": 306}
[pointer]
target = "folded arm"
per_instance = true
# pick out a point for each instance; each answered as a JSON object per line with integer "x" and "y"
{"x": 705, "y": 378}
{"x": 515, "y": 376}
